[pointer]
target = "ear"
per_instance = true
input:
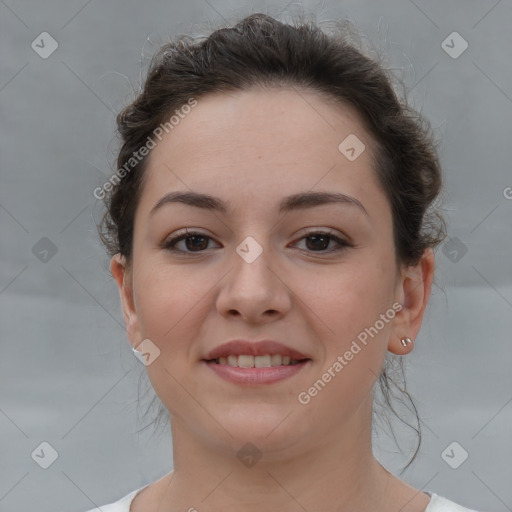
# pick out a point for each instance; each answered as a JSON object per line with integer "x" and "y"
{"x": 413, "y": 292}
{"x": 122, "y": 275}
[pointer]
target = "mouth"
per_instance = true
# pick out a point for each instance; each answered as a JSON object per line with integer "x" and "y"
{"x": 250, "y": 361}
{"x": 255, "y": 362}
{"x": 248, "y": 370}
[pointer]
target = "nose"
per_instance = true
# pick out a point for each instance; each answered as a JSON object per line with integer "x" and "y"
{"x": 254, "y": 290}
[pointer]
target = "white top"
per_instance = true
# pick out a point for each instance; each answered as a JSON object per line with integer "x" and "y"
{"x": 437, "y": 504}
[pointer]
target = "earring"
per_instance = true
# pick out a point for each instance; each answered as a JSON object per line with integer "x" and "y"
{"x": 406, "y": 341}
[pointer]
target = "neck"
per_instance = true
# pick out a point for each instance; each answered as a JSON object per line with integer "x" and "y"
{"x": 331, "y": 474}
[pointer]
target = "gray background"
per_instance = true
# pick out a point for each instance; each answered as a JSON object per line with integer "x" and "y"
{"x": 67, "y": 375}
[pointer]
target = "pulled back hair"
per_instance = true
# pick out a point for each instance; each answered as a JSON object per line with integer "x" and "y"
{"x": 262, "y": 52}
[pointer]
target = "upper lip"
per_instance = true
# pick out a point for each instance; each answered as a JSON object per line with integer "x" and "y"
{"x": 253, "y": 348}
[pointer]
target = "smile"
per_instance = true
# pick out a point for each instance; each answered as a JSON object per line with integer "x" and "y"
{"x": 256, "y": 370}
{"x": 249, "y": 361}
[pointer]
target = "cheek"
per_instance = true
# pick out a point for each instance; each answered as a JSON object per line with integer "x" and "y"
{"x": 173, "y": 304}
{"x": 346, "y": 311}
{"x": 346, "y": 306}
{"x": 350, "y": 297}
{"x": 166, "y": 301}
{"x": 167, "y": 311}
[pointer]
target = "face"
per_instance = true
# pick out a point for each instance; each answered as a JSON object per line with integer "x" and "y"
{"x": 315, "y": 275}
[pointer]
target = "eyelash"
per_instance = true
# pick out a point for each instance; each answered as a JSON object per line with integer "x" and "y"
{"x": 169, "y": 244}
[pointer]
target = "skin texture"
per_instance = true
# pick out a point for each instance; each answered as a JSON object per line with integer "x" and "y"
{"x": 251, "y": 149}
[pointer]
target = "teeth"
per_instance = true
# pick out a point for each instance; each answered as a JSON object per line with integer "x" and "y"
{"x": 262, "y": 361}
{"x": 247, "y": 361}
{"x": 276, "y": 360}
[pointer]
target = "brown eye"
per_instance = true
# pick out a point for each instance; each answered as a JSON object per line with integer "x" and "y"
{"x": 319, "y": 241}
{"x": 193, "y": 242}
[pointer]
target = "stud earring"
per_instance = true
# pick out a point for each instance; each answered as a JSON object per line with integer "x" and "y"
{"x": 406, "y": 341}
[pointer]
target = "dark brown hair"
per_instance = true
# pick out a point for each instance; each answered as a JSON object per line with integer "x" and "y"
{"x": 260, "y": 51}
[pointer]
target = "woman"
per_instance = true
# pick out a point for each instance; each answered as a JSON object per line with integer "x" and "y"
{"x": 271, "y": 226}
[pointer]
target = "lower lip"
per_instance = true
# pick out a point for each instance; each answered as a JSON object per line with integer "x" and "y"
{"x": 267, "y": 375}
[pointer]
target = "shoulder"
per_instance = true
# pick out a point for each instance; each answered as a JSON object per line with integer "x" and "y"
{"x": 122, "y": 505}
{"x": 440, "y": 504}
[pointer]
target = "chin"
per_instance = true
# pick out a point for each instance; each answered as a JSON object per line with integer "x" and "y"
{"x": 267, "y": 426}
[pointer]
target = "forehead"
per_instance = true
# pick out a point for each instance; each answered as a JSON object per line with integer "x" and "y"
{"x": 262, "y": 144}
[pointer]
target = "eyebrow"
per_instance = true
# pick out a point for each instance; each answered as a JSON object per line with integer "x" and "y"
{"x": 298, "y": 201}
